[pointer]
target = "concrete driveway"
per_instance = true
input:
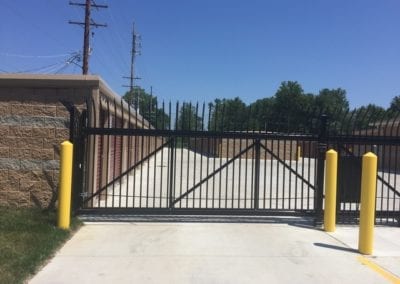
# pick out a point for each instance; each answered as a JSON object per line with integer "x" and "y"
{"x": 273, "y": 251}
{"x": 280, "y": 188}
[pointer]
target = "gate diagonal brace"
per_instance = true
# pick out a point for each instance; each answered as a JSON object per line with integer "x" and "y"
{"x": 126, "y": 172}
{"x": 390, "y": 187}
{"x": 287, "y": 166}
{"x": 213, "y": 174}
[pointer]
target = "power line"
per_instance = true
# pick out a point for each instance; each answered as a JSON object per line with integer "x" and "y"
{"x": 105, "y": 57}
{"x": 40, "y": 69}
{"x": 33, "y": 56}
{"x": 111, "y": 54}
{"x": 57, "y": 67}
{"x": 89, "y": 4}
{"x": 61, "y": 69}
{"x": 118, "y": 36}
{"x": 33, "y": 25}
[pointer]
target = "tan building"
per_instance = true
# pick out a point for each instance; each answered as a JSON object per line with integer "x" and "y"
{"x": 36, "y": 115}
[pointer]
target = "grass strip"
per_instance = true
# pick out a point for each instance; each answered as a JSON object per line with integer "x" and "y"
{"x": 28, "y": 237}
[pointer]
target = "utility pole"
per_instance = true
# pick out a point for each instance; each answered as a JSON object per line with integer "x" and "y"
{"x": 135, "y": 50}
{"x": 89, "y": 4}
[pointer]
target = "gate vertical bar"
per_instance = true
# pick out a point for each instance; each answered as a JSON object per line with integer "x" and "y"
{"x": 257, "y": 174}
{"x": 319, "y": 189}
{"x": 171, "y": 174}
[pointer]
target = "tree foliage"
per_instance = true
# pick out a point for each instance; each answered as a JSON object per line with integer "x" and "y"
{"x": 262, "y": 114}
{"x": 290, "y": 109}
{"x": 188, "y": 118}
{"x": 332, "y": 102}
{"x": 393, "y": 111}
{"x": 228, "y": 115}
{"x": 149, "y": 107}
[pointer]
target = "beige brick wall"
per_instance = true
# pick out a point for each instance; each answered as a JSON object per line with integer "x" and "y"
{"x": 33, "y": 123}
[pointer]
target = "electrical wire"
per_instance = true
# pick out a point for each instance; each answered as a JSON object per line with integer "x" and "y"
{"x": 38, "y": 69}
{"x": 108, "y": 49}
{"x": 54, "y": 68}
{"x": 32, "y": 24}
{"x": 62, "y": 68}
{"x": 119, "y": 37}
{"x": 116, "y": 54}
{"x": 65, "y": 13}
{"x": 33, "y": 56}
{"x": 118, "y": 49}
{"x": 101, "y": 57}
{"x": 68, "y": 62}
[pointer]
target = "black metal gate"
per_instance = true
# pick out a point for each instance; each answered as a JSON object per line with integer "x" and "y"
{"x": 191, "y": 166}
{"x": 187, "y": 161}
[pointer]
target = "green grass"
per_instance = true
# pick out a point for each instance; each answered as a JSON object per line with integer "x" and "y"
{"x": 28, "y": 237}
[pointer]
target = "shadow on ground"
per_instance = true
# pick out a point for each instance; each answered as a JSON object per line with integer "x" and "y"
{"x": 341, "y": 248}
{"x": 305, "y": 222}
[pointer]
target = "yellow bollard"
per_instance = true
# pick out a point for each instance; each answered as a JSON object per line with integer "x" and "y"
{"x": 298, "y": 153}
{"x": 64, "y": 194}
{"x": 330, "y": 191}
{"x": 367, "y": 211}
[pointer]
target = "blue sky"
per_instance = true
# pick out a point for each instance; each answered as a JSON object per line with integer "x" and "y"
{"x": 199, "y": 50}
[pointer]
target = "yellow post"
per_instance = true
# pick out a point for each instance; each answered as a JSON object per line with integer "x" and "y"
{"x": 367, "y": 211}
{"x": 330, "y": 191}
{"x": 64, "y": 194}
{"x": 298, "y": 153}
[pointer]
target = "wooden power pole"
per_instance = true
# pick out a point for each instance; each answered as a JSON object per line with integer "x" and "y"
{"x": 89, "y": 4}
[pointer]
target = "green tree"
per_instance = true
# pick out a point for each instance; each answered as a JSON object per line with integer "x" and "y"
{"x": 262, "y": 114}
{"x": 394, "y": 109}
{"x": 291, "y": 107}
{"x": 332, "y": 102}
{"x": 148, "y": 107}
{"x": 366, "y": 116}
{"x": 228, "y": 115}
{"x": 188, "y": 118}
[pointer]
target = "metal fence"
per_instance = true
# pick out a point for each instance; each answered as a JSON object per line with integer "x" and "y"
{"x": 358, "y": 132}
{"x": 186, "y": 159}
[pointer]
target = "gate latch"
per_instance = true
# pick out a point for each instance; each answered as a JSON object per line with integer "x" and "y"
{"x": 84, "y": 194}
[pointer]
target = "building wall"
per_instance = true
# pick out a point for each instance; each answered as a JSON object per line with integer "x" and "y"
{"x": 283, "y": 149}
{"x": 33, "y": 123}
{"x": 114, "y": 155}
{"x": 34, "y": 120}
{"x": 388, "y": 155}
{"x": 228, "y": 148}
{"x": 205, "y": 146}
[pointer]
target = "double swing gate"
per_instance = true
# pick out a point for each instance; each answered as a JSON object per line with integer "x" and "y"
{"x": 196, "y": 159}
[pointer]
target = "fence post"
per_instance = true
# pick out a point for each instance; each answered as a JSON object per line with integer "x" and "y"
{"x": 330, "y": 191}
{"x": 367, "y": 211}
{"x": 78, "y": 158}
{"x": 64, "y": 195}
{"x": 319, "y": 189}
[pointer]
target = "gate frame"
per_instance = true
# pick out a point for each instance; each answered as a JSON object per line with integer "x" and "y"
{"x": 323, "y": 140}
